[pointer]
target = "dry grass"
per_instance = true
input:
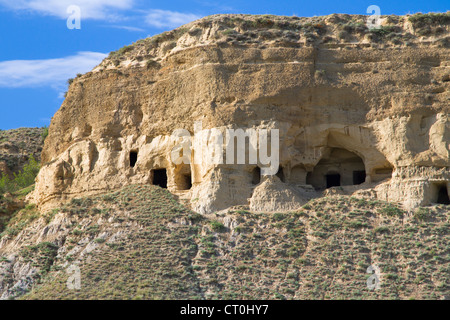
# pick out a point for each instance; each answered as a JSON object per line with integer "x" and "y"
{"x": 319, "y": 252}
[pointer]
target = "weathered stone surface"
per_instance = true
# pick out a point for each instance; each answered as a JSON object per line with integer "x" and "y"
{"x": 371, "y": 108}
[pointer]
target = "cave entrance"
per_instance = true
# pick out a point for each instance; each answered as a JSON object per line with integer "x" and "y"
{"x": 333, "y": 180}
{"x": 256, "y": 176}
{"x": 184, "y": 181}
{"x": 160, "y": 178}
{"x": 280, "y": 174}
{"x": 183, "y": 177}
{"x": 359, "y": 177}
{"x": 442, "y": 195}
{"x": 187, "y": 182}
{"x": 338, "y": 167}
{"x": 133, "y": 158}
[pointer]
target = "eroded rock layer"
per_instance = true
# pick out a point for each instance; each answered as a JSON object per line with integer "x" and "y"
{"x": 359, "y": 111}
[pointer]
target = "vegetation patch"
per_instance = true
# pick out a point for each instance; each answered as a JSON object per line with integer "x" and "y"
{"x": 321, "y": 252}
{"x": 421, "y": 20}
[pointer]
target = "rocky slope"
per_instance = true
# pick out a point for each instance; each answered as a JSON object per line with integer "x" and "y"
{"x": 17, "y": 145}
{"x": 379, "y": 99}
{"x": 140, "y": 243}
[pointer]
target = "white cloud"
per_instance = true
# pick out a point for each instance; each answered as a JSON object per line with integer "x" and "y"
{"x": 128, "y": 28}
{"x": 90, "y": 9}
{"x": 111, "y": 10}
{"x": 168, "y": 19}
{"x": 50, "y": 72}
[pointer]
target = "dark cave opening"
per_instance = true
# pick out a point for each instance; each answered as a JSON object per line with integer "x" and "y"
{"x": 160, "y": 178}
{"x": 256, "y": 176}
{"x": 333, "y": 180}
{"x": 133, "y": 158}
{"x": 359, "y": 177}
{"x": 442, "y": 196}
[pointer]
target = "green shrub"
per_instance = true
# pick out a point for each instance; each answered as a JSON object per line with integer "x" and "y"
{"x": 6, "y": 184}
{"x": 217, "y": 226}
{"x": 44, "y": 133}
{"x": 381, "y": 229}
{"x": 77, "y": 232}
{"x": 27, "y": 176}
{"x": 422, "y": 20}
{"x": 278, "y": 216}
{"x": 152, "y": 64}
{"x": 50, "y": 215}
{"x": 422, "y": 214}
{"x": 264, "y": 22}
{"x": 23, "y": 179}
{"x": 383, "y": 31}
{"x": 391, "y": 211}
{"x": 121, "y": 51}
{"x": 41, "y": 255}
{"x": 355, "y": 27}
{"x": 320, "y": 73}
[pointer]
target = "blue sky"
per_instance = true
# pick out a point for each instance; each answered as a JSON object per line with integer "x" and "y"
{"x": 38, "y": 52}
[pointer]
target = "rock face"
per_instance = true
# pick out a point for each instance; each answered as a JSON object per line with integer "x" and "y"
{"x": 363, "y": 112}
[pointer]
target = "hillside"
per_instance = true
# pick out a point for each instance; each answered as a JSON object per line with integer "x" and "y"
{"x": 140, "y": 243}
{"x": 20, "y": 153}
{"x": 17, "y": 145}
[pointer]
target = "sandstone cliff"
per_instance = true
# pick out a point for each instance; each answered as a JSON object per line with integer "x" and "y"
{"x": 360, "y": 111}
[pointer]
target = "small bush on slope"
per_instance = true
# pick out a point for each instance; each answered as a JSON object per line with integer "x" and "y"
{"x": 23, "y": 179}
